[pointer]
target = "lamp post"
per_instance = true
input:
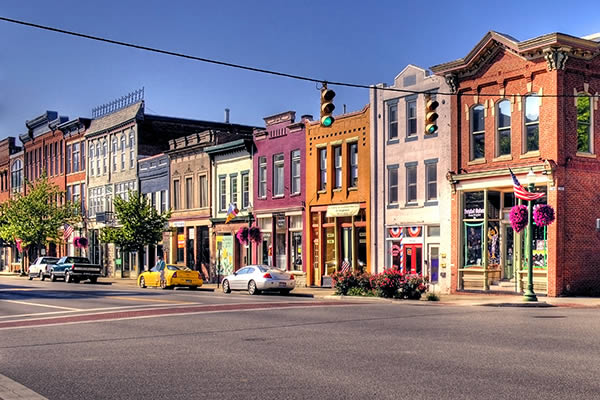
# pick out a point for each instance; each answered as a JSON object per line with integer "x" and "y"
{"x": 250, "y": 219}
{"x": 529, "y": 295}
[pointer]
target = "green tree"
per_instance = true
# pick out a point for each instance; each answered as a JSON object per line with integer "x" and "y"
{"x": 140, "y": 225}
{"x": 35, "y": 217}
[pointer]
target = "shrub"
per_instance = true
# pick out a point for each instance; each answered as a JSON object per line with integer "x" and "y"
{"x": 387, "y": 283}
{"x": 343, "y": 281}
{"x": 414, "y": 286}
{"x": 355, "y": 291}
{"x": 364, "y": 282}
{"x": 432, "y": 297}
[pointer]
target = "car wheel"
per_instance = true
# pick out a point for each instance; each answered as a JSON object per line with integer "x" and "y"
{"x": 52, "y": 277}
{"x": 42, "y": 276}
{"x": 226, "y": 288}
{"x": 252, "y": 290}
{"x": 193, "y": 287}
{"x": 285, "y": 292}
{"x": 68, "y": 278}
{"x": 30, "y": 277}
{"x": 93, "y": 279}
{"x": 142, "y": 282}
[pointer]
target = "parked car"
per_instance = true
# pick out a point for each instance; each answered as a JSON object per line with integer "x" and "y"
{"x": 256, "y": 278}
{"x": 41, "y": 267}
{"x": 173, "y": 275}
{"x": 75, "y": 269}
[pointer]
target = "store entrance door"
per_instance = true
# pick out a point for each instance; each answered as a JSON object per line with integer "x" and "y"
{"x": 508, "y": 251}
{"x": 413, "y": 258}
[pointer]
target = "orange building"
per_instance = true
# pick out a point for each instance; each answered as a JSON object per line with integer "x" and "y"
{"x": 338, "y": 196}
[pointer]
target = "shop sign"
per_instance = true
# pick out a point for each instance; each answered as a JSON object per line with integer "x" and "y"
{"x": 180, "y": 241}
{"x": 179, "y": 224}
{"x": 473, "y": 213}
{"x": 343, "y": 210}
{"x": 280, "y": 220}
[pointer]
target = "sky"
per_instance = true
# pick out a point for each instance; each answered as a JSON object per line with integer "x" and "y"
{"x": 351, "y": 41}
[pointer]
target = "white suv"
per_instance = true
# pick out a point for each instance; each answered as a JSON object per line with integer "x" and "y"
{"x": 41, "y": 267}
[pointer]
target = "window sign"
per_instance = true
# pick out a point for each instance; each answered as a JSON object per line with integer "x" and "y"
{"x": 473, "y": 244}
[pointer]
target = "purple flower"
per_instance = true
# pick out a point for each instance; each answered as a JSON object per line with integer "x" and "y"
{"x": 518, "y": 217}
{"x": 543, "y": 214}
{"x": 242, "y": 235}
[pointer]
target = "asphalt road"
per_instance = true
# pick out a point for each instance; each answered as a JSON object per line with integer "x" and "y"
{"x": 101, "y": 342}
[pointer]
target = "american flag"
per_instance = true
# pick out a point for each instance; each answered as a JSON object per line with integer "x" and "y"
{"x": 68, "y": 229}
{"x": 521, "y": 192}
{"x": 345, "y": 265}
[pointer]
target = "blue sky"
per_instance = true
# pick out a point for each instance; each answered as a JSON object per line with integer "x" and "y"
{"x": 360, "y": 42}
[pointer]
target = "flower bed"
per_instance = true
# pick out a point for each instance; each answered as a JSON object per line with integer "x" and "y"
{"x": 390, "y": 283}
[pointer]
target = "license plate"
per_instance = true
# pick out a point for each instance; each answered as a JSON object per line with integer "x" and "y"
{"x": 282, "y": 284}
{"x": 188, "y": 281}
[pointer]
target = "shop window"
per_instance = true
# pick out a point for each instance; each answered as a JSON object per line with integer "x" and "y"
{"x": 493, "y": 243}
{"x": 433, "y": 231}
{"x": 296, "y": 251}
{"x": 474, "y": 207}
{"x": 584, "y": 119}
{"x": 330, "y": 251}
{"x": 361, "y": 249}
{"x": 473, "y": 244}
{"x": 477, "y": 132}
{"x": 509, "y": 200}
{"x": 493, "y": 206}
{"x": 532, "y": 124}
{"x": 503, "y": 128}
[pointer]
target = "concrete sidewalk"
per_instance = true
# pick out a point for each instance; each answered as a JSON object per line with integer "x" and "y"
{"x": 458, "y": 299}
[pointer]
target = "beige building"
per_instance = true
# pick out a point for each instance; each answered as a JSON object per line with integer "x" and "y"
{"x": 410, "y": 195}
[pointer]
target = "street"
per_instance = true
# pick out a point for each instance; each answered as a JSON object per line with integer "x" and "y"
{"x": 83, "y": 341}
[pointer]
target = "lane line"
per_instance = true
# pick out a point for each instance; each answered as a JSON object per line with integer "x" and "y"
{"x": 41, "y": 305}
{"x": 165, "y": 312}
{"x": 12, "y": 390}
{"x": 49, "y": 313}
{"x": 148, "y": 300}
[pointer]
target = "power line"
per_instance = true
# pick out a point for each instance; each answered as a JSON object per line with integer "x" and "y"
{"x": 255, "y": 69}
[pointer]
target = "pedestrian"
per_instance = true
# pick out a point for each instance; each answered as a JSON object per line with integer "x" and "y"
{"x": 161, "y": 268}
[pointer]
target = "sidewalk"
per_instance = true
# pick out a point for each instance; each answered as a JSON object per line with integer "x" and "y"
{"x": 457, "y": 299}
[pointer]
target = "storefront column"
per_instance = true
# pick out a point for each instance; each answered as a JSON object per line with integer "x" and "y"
{"x": 354, "y": 244}
{"x": 484, "y": 231}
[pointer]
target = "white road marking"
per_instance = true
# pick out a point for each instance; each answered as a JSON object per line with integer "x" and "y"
{"x": 11, "y": 390}
{"x": 42, "y": 305}
{"x": 54, "y": 313}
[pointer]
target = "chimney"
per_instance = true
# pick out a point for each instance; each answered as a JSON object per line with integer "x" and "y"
{"x": 307, "y": 117}
{"x": 227, "y": 115}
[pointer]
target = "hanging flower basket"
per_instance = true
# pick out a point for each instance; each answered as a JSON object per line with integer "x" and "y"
{"x": 254, "y": 234}
{"x": 518, "y": 217}
{"x": 242, "y": 235}
{"x": 543, "y": 214}
{"x": 80, "y": 242}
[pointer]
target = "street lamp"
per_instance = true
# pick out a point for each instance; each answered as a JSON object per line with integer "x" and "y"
{"x": 250, "y": 219}
{"x": 529, "y": 295}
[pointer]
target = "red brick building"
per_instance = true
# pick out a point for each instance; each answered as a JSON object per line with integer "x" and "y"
{"x": 532, "y": 106}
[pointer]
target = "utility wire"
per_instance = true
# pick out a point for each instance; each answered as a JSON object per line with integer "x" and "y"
{"x": 261, "y": 70}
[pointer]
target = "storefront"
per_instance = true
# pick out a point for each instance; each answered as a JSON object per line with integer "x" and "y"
{"x": 281, "y": 244}
{"x": 338, "y": 238}
{"x": 490, "y": 252}
{"x": 415, "y": 250}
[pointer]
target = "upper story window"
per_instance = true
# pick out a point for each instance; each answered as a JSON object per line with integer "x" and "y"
{"x": 532, "y": 123}
{"x": 76, "y": 161}
{"x": 278, "y": 174}
{"x": 122, "y": 142}
{"x": 113, "y": 146}
{"x": 222, "y": 193}
{"x": 503, "y": 129}
{"x": 584, "y": 120}
{"x": 69, "y": 159}
{"x": 189, "y": 193}
{"x": 393, "y": 121}
{"x": 431, "y": 180}
{"x": 411, "y": 183}
{"x": 262, "y": 177}
{"x": 16, "y": 178}
{"x": 323, "y": 168}
{"x": 176, "y": 194}
{"x": 245, "y": 190}
{"x": 233, "y": 189}
{"x": 411, "y": 118}
{"x": 353, "y": 165}
{"x": 203, "y": 187}
{"x": 393, "y": 185}
{"x": 131, "y": 139}
{"x": 295, "y": 172}
{"x": 477, "y": 132}
{"x": 91, "y": 151}
{"x": 337, "y": 159}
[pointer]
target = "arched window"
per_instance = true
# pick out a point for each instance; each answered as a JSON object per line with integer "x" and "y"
{"x": 114, "y": 145}
{"x": 104, "y": 148}
{"x": 503, "y": 128}
{"x": 122, "y": 142}
{"x": 584, "y": 124}
{"x": 16, "y": 171}
{"x": 532, "y": 124}
{"x": 477, "y": 132}
{"x": 97, "y": 149}
{"x": 91, "y": 151}
{"x": 131, "y": 139}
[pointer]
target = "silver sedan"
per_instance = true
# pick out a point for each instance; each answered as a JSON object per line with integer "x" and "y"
{"x": 255, "y": 278}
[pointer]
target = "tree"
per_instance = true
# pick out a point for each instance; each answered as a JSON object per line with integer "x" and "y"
{"x": 140, "y": 225}
{"x": 35, "y": 218}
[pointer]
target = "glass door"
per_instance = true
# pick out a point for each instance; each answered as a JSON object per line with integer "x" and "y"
{"x": 413, "y": 256}
{"x": 508, "y": 252}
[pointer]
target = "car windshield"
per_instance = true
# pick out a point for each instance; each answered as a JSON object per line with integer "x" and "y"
{"x": 80, "y": 260}
{"x": 49, "y": 260}
{"x": 266, "y": 268}
{"x": 173, "y": 268}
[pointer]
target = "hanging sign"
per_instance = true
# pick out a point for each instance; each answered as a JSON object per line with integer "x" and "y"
{"x": 180, "y": 241}
{"x": 343, "y": 210}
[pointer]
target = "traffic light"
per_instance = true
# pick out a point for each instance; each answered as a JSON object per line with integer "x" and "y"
{"x": 430, "y": 115}
{"x": 327, "y": 106}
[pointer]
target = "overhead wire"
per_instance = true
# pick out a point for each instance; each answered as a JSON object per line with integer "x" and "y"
{"x": 263, "y": 70}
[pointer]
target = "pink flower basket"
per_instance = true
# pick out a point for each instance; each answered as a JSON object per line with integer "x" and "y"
{"x": 543, "y": 214}
{"x": 518, "y": 217}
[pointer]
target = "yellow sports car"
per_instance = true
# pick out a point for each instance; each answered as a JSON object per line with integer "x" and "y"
{"x": 169, "y": 276}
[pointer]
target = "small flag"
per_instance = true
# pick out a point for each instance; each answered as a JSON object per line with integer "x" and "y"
{"x": 345, "y": 266}
{"x": 521, "y": 192}
{"x": 232, "y": 211}
{"x": 68, "y": 229}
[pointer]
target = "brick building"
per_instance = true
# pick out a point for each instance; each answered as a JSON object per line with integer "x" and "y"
{"x": 338, "y": 196}
{"x": 279, "y": 194}
{"x": 11, "y": 171}
{"x": 502, "y": 118}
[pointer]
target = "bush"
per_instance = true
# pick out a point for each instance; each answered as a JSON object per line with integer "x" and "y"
{"x": 355, "y": 291}
{"x": 344, "y": 281}
{"x": 432, "y": 297}
{"x": 387, "y": 283}
{"x": 413, "y": 287}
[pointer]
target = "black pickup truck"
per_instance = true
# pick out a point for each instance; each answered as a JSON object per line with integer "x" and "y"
{"x": 75, "y": 269}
